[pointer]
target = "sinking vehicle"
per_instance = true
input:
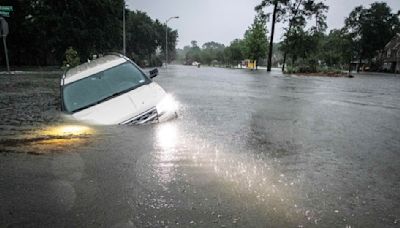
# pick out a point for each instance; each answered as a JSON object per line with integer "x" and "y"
{"x": 114, "y": 90}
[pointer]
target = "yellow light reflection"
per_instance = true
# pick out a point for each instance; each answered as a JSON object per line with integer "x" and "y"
{"x": 68, "y": 130}
{"x": 58, "y": 138}
{"x": 167, "y": 136}
{"x": 167, "y": 139}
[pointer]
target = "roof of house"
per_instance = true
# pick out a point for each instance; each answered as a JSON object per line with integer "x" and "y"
{"x": 394, "y": 42}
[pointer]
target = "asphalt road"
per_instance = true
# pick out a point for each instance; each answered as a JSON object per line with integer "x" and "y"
{"x": 249, "y": 149}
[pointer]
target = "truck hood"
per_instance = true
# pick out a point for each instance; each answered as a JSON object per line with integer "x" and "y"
{"x": 123, "y": 107}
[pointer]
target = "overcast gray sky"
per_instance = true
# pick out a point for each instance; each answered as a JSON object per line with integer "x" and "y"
{"x": 225, "y": 20}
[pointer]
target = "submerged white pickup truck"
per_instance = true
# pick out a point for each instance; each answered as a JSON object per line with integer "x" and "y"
{"x": 113, "y": 90}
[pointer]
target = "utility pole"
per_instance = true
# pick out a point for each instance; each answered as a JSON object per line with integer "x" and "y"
{"x": 123, "y": 30}
{"x": 271, "y": 41}
{"x": 4, "y": 32}
{"x": 5, "y": 12}
{"x": 166, "y": 39}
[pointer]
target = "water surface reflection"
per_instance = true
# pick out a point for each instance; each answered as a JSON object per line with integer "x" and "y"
{"x": 191, "y": 169}
{"x": 48, "y": 139}
{"x": 166, "y": 140}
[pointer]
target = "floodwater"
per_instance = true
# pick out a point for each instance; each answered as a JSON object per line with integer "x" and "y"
{"x": 249, "y": 149}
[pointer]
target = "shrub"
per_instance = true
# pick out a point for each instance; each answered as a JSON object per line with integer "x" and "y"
{"x": 308, "y": 66}
{"x": 291, "y": 70}
{"x": 71, "y": 58}
{"x": 155, "y": 61}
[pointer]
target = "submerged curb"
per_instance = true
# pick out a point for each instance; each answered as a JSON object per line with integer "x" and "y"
{"x": 30, "y": 72}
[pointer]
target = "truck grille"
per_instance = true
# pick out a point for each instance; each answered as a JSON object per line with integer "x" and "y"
{"x": 148, "y": 116}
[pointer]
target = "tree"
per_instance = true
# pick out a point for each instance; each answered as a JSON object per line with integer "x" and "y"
{"x": 371, "y": 28}
{"x": 294, "y": 12}
{"x": 193, "y": 54}
{"x": 141, "y": 36}
{"x": 145, "y": 37}
{"x": 172, "y": 40}
{"x": 255, "y": 40}
{"x": 298, "y": 11}
{"x": 303, "y": 45}
{"x": 71, "y": 58}
{"x": 335, "y": 49}
{"x": 212, "y": 51}
{"x": 234, "y": 52}
{"x": 277, "y": 57}
{"x": 181, "y": 53}
{"x": 194, "y": 43}
{"x": 41, "y": 31}
{"x": 277, "y": 15}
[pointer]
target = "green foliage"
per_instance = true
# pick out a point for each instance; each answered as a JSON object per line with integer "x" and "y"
{"x": 302, "y": 45}
{"x": 212, "y": 52}
{"x": 296, "y": 13}
{"x": 155, "y": 61}
{"x": 193, "y": 53}
{"x": 308, "y": 65}
{"x": 336, "y": 49}
{"x": 281, "y": 9}
{"x": 330, "y": 70}
{"x": 234, "y": 53}
{"x": 71, "y": 58}
{"x": 305, "y": 69}
{"x": 366, "y": 32}
{"x": 308, "y": 51}
{"x": 253, "y": 46}
{"x": 144, "y": 36}
{"x": 181, "y": 54}
{"x": 255, "y": 40}
{"x": 277, "y": 56}
{"x": 41, "y": 31}
{"x": 371, "y": 28}
{"x": 292, "y": 70}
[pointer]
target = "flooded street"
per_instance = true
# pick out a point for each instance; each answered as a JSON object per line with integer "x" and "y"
{"x": 249, "y": 149}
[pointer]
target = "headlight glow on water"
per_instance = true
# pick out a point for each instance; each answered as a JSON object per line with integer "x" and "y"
{"x": 68, "y": 130}
{"x": 167, "y": 105}
{"x": 57, "y": 138}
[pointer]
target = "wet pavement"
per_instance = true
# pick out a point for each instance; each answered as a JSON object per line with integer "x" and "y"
{"x": 249, "y": 149}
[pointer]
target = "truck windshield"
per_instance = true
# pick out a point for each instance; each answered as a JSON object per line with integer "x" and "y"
{"x": 102, "y": 86}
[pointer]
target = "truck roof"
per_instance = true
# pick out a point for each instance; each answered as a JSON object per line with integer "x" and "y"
{"x": 92, "y": 67}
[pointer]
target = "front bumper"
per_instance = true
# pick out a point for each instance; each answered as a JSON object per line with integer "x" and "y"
{"x": 150, "y": 116}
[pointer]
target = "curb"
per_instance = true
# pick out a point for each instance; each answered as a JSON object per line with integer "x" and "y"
{"x": 30, "y": 72}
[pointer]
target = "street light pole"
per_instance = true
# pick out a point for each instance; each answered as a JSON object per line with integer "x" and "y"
{"x": 3, "y": 33}
{"x": 123, "y": 30}
{"x": 166, "y": 39}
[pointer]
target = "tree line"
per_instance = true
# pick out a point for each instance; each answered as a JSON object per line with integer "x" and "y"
{"x": 252, "y": 46}
{"x": 41, "y": 31}
{"x": 366, "y": 32}
{"x": 306, "y": 46}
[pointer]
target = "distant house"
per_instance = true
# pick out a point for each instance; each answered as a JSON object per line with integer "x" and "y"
{"x": 391, "y": 55}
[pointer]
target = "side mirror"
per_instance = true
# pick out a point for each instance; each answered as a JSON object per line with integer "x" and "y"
{"x": 153, "y": 73}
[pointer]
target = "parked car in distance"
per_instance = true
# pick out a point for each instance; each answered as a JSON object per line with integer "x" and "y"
{"x": 114, "y": 90}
